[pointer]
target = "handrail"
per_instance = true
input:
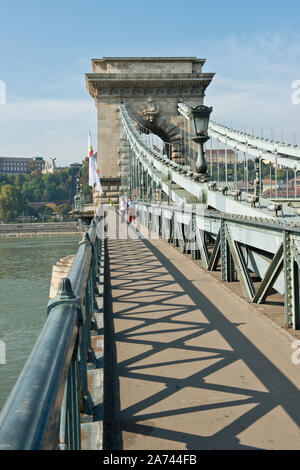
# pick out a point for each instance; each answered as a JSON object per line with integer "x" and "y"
{"x": 181, "y": 185}
{"x": 43, "y": 408}
{"x": 32, "y": 410}
{"x": 257, "y": 142}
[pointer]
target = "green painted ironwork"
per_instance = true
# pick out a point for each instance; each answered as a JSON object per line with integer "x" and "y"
{"x": 44, "y": 408}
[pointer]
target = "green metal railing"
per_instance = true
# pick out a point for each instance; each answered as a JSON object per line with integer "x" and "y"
{"x": 44, "y": 408}
{"x": 241, "y": 247}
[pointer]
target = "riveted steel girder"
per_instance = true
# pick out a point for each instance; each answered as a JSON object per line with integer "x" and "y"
{"x": 270, "y": 278}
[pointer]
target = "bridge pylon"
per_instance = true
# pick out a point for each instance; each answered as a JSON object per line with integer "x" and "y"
{"x": 151, "y": 88}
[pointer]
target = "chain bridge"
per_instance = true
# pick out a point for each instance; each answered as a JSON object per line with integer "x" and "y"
{"x": 179, "y": 329}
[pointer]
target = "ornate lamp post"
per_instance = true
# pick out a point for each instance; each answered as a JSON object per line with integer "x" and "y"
{"x": 78, "y": 199}
{"x": 257, "y": 177}
{"x": 200, "y": 119}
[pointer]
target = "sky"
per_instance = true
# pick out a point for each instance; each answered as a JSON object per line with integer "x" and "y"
{"x": 46, "y": 48}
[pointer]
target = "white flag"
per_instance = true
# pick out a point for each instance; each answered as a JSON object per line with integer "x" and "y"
{"x": 98, "y": 182}
{"x": 92, "y": 163}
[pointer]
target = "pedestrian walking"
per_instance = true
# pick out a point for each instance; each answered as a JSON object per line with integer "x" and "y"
{"x": 131, "y": 210}
{"x": 123, "y": 207}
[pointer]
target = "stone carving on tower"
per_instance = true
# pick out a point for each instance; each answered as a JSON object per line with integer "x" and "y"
{"x": 150, "y": 111}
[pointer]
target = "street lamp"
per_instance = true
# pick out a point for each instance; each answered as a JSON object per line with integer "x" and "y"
{"x": 257, "y": 183}
{"x": 78, "y": 198}
{"x": 200, "y": 119}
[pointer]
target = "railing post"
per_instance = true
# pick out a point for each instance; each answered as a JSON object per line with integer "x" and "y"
{"x": 195, "y": 252}
{"x": 160, "y": 217}
{"x": 227, "y": 266}
{"x": 181, "y": 239}
{"x": 74, "y": 405}
{"x": 175, "y": 231}
{"x": 289, "y": 297}
{"x": 64, "y": 437}
{"x": 171, "y": 237}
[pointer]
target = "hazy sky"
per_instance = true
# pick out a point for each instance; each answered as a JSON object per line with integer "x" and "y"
{"x": 46, "y": 47}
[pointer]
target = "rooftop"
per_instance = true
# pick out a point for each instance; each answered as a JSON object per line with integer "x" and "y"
{"x": 150, "y": 59}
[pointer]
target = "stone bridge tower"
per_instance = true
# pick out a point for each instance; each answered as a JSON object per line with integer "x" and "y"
{"x": 151, "y": 88}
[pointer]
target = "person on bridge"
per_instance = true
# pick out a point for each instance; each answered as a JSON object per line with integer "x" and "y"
{"x": 131, "y": 210}
{"x": 123, "y": 207}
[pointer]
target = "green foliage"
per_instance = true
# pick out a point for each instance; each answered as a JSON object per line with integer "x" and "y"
{"x": 84, "y": 179}
{"x": 11, "y": 203}
{"x": 63, "y": 210}
{"x": 58, "y": 186}
{"x": 37, "y": 187}
{"x": 30, "y": 211}
{"x": 46, "y": 210}
{"x": 4, "y": 179}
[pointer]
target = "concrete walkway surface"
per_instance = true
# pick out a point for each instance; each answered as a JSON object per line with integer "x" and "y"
{"x": 193, "y": 366}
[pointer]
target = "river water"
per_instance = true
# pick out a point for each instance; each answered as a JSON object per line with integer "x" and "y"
{"x": 25, "y": 275}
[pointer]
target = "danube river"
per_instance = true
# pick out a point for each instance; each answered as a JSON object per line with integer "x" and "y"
{"x": 25, "y": 274}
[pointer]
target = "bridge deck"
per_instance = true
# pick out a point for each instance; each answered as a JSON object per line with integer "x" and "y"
{"x": 194, "y": 366}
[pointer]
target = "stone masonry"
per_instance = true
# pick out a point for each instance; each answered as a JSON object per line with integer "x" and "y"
{"x": 151, "y": 88}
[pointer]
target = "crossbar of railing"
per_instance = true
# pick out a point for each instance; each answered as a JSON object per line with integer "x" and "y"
{"x": 43, "y": 408}
{"x": 197, "y": 209}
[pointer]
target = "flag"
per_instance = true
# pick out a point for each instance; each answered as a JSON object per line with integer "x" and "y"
{"x": 98, "y": 182}
{"x": 92, "y": 163}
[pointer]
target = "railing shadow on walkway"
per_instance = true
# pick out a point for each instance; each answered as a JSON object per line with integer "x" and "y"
{"x": 144, "y": 257}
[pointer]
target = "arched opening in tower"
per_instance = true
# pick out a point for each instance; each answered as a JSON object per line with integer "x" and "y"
{"x": 157, "y": 140}
{"x": 168, "y": 142}
{"x": 168, "y": 136}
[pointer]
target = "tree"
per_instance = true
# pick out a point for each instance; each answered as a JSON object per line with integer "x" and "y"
{"x": 84, "y": 179}
{"x": 36, "y": 187}
{"x": 64, "y": 210}
{"x": 11, "y": 203}
{"x": 31, "y": 212}
{"x": 4, "y": 179}
{"x": 32, "y": 166}
{"x": 46, "y": 210}
{"x": 19, "y": 180}
{"x": 52, "y": 206}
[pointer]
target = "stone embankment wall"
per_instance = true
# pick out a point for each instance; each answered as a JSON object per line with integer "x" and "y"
{"x": 32, "y": 230}
{"x": 59, "y": 270}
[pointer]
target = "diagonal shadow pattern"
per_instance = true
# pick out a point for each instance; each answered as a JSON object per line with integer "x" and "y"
{"x": 175, "y": 354}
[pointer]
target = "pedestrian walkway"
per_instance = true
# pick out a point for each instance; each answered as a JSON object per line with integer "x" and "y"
{"x": 194, "y": 366}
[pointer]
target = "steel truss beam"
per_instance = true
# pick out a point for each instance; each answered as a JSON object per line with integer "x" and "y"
{"x": 200, "y": 237}
{"x": 216, "y": 254}
{"x": 292, "y": 281}
{"x": 271, "y": 251}
{"x": 240, "y": 266}
{"x": 270, "y": 278}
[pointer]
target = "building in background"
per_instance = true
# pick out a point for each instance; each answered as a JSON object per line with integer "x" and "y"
{"x": 219, "y": 156}
{"x": 16, "y": 165}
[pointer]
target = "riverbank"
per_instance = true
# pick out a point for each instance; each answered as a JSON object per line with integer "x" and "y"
{"x": 40, "y": 230}
{"x": 39, "y": 234}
